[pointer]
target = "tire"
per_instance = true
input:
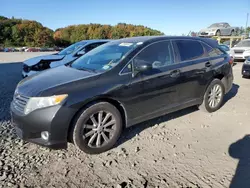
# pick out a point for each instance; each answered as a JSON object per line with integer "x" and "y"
{"x": 206, "y": 104}
{"x": 86, "y": 133}
{"x": 218, "y": 33}
{"x": 233, "y": 33}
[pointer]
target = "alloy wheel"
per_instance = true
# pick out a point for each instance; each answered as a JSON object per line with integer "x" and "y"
{"x": 215, "y": 96}
{"x": 99, "y": 129}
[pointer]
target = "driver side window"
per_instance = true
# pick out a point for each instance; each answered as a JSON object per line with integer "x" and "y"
{"x": 158, "y": 55}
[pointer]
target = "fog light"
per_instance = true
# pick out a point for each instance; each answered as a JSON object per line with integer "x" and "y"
{"x": 45, "y": 135}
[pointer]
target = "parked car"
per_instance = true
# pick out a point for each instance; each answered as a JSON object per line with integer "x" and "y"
{"x": 219, "y": 29}
{"x": 32, "y": 50}
{"x": 69, "y": 54}
{"x": 119, "y": 84}
{"x": 241, "y": 50}
{"x": 246, "y": 68}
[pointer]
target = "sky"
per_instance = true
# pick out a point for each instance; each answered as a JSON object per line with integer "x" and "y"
{"x": 172, "y": 17}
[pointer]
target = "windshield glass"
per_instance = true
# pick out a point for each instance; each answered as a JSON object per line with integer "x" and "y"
{"x": 244, "y": 43}
{"x": 216, "y": 25}
{"x": 72, "y": 48}
{"x": 104, "y": 57}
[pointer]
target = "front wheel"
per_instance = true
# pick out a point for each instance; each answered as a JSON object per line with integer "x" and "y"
{"x": 218, "y": 33}
{"x": 213, "y": 97}
{"x": 97, "y": 128}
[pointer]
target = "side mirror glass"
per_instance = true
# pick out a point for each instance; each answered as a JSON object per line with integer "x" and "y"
{"x": 80, "y": 53}
{"x": 142, "y": 66}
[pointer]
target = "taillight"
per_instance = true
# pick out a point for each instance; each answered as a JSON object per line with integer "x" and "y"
{"x": 231, "y": 61}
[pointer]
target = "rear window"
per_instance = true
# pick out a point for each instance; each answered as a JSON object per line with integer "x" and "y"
{"x": 189, "y": 49}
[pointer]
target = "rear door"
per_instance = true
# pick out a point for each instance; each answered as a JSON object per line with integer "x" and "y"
{"x": 194, "y": 63}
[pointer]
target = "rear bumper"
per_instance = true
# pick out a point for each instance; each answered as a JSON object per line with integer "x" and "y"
{"x": 55, "y": 120}
{"x": 228, "y": 81}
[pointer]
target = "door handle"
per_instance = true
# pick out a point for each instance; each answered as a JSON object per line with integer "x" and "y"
{"x": 175, "y": 73}
{"x": 208, "y": 64}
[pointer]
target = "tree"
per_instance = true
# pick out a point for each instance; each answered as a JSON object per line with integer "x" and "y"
{"x": 18, "y": 32}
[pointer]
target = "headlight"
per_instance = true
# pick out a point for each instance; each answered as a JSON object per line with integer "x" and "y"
{"x": 42, "y": 102}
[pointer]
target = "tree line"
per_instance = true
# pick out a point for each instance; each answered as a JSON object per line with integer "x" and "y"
{"x": 20, "y": 32}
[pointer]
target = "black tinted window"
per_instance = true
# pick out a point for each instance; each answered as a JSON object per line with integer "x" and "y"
{"x": 212, "y": 52}
{"x": 158, "y": 54}
{"x": 127, "y": 69}
{"x": 189, "y": 49}
{"x": 92, "y": 46}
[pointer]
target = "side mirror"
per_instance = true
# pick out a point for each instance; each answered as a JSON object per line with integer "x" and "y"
{"x": 80, "y": 53}
{"x": 142, "y": 66}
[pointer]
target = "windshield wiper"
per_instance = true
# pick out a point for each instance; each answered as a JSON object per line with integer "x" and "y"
{"x": 85, "y": 69}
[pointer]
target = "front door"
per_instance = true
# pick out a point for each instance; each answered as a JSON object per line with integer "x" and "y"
{"x": 158, "y": 84}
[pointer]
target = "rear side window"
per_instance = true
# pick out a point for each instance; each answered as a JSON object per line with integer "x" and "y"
{"x": 189, "y": 49}
{"x": 212, "y": 52}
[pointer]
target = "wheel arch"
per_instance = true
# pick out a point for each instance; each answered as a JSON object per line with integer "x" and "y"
{"x": 120, "y": 107}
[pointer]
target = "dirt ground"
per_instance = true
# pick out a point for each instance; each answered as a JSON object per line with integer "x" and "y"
{"x": 188, "y": 148}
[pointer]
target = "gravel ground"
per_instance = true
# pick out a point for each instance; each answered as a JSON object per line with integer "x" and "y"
{"x": 188, "y": 148}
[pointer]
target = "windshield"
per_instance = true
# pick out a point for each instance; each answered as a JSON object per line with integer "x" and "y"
{"x": 244, "y": 43}
{"x": 216, "y": 25}
{"x": 72, "y": 48}
{"x": 104, "y": 57}
{"x": 224, "y": 47}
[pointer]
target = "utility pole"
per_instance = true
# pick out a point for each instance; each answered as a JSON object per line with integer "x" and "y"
{"x": 246, "y": 25}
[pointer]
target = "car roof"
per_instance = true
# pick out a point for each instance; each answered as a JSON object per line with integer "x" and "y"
{"x": 150, "y": 39}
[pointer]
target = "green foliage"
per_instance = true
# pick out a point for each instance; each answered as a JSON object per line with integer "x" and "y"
{"x": 74, "y": 33}
{"x": 18, "y": 32}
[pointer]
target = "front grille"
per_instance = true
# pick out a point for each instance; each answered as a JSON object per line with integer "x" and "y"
{"x": 204, "y": 33}
{"x": 19, "y": 102}
{"x": 239, "y": 51}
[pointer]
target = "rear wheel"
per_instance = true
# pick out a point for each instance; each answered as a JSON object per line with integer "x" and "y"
{"x": 97, "y": 128}
{"x": 233, "y": 33}
{"x": 213, "y": 97}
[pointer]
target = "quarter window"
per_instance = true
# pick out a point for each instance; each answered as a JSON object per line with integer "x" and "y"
{"x": 127, "y": 69}
{"x": 212, "y": 52}
{"x": 189, "y": 49}
{"x": 158, "y": 54}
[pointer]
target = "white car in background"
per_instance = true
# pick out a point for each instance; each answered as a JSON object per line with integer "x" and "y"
{"x": 241, "y": 50}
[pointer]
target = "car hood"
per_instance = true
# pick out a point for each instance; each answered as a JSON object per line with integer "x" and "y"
{"x": 34, "y": 85}
{"x": 36, "y": 60}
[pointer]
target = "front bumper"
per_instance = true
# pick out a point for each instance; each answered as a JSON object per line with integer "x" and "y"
{"x": 26, "y": 74}
{"x": 246, "y": 70}
{"x": 210, "y": 33}
{"x": 55, "y": 120}
{"x": 242, "y": 56}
